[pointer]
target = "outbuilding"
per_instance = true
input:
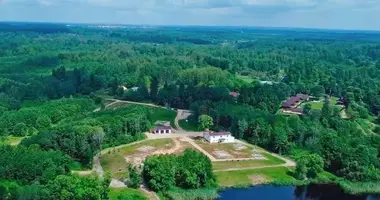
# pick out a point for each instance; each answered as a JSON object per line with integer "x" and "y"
{"x": 218, "y": 137}
{"x": 161, "y": 129}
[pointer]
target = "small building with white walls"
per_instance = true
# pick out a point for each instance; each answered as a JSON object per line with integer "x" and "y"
{"x": 218, "y": 137}
{"x": 162, "y": 129}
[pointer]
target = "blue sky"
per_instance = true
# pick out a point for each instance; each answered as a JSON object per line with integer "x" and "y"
{"x": 331, "y": 14}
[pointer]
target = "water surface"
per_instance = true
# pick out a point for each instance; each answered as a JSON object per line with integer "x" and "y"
{"x": 310, "y": 192}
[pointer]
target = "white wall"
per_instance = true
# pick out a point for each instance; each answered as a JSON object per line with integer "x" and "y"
{"x": 219, "y": 138}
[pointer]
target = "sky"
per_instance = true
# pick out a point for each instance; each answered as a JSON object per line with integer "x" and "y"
{"x": 327, "y": 14}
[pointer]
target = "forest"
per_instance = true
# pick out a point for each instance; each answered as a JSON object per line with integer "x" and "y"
{"x": 53, "y": 77}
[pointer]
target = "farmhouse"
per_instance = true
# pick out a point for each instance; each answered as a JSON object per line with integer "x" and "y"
{"x": 294, "y": 100}
{"x": 234, "y": 94}
{"x": 218, "y": 137}
{"x": 162, "y": 129}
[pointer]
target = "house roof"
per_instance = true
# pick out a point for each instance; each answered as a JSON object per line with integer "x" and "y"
{"x": 294, "y": 99}
{"x": 219, "y": 133}
{"x": 161, "y": 128}
{"x": 234, "y": 94}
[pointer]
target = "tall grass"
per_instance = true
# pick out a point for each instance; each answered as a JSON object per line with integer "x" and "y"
{"x": 196, "y": 194}
{"x": 357, "y": 188}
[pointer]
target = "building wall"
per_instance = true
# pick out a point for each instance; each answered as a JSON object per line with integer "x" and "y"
{"x": 163, "y": 131}
{"x": 218, "y": 138}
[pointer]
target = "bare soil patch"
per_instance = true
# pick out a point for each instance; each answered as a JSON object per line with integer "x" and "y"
{"x": 258, "y": 179}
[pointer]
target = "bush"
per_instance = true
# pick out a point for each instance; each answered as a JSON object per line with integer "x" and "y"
{"x": 43, "y": 121}
{"x": 134, "y": 177}
{"x": 20, "y": 129}
{"x": 191, "y": 170}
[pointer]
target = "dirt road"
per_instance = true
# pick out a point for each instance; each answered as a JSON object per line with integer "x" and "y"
{"x": 133, "y": 102}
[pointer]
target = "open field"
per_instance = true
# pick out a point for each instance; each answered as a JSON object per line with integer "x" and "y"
{"x": 366, "y": 125}
{"x": 115, "y": 162}
{"x": 11, "y": 140}
{"x": 334, "y": 100}
{"x": 270, "y": 160}
{"x": 253, "y": 176}
{"x": 134, "y": 194}
{"x": 246, "y": 79}
{"x": 161, "y": 114}
{"x": 232, "y": 150}
{"x": 318, "y": 105}
{"x": 187, "y": 126}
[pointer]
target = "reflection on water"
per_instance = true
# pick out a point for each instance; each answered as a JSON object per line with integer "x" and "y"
{"x": 310, "y": 192}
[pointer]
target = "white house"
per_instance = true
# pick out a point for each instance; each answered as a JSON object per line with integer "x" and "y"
{"x": 134, "y": 89}
{"x": 218, "y": 137}
{"x": 162, "y": 129}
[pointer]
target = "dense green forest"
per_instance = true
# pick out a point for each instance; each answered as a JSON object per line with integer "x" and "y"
{"x": 52, "y": 78}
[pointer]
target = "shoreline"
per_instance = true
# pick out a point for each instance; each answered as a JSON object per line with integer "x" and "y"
{"x": 352, "y": 188}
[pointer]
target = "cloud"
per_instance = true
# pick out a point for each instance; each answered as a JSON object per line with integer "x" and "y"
{"x": 304, "y": 13}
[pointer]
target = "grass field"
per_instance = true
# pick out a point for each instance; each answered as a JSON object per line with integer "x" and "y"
{"x": 114, "y": 159}
{"x": 247, "y": 177}
{"x": 161, "y": 114}
{"x": 11, "y": 140}
{"x": 334, "y": 100}
{"x": 246, "y": 79}
{"x": 227, "y": 147}
{"x": 187, "y": 126}
{"x": 366, "y": 125}
{"x": 271, "y": 160}
{"x": 134, "y": 194}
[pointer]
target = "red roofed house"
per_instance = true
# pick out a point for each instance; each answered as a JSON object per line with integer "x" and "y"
{"x": 218, "y": 137}
{"x": 234, "y": 94}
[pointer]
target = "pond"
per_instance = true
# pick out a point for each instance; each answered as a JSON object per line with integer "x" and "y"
{"x": 310, "y": 192}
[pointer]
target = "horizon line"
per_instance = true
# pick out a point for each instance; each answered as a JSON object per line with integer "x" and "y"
{"x": 197, "y": 25}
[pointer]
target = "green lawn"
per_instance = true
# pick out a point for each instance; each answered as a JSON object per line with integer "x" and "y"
{"x": 246, "y": 79}
{"x": 188, "y": 126}
{"x": 334, "y": 100}
{"x": 366, "y": 125}
{"x": 134, "y": 194}
{"x": 247, "y": 177}
{"x": 271, "y": 160}
{"x": 11, "y": 140}
{"x": 314, "y": 105}
{"x": 161, "y": 114}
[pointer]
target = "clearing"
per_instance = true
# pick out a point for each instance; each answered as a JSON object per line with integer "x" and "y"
{"x": 11, "y": 140}
{"x": 114, "y": 193}
{"x": 253, "y": 176}
{"x": 187, "y": 125}
{"x": 228, "y": 150}
{"x": 246, "y": 79}
{"x": 117, "y": 160}
{"x": 242, "y": 164}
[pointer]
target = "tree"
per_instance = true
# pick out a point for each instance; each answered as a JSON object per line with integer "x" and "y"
{"x": 194, "y": 171}
{"x": 20, "y": 129}
{"x": 154, "y": 88}
{"x": 301, "y": 170}
{"x": 134, "y": 177}
{"x": 43, "y": 121}
{"x": 243, "y": 126}
{"x": 309, "y": 166}
{"x": 74, "y": 188}
{"x": 317, "y": 91}
{"x": 159, "y": 172}
{"x": 307, "y": 109}
{"x": 105, "y": 186}
{"x": 206, "y": 122}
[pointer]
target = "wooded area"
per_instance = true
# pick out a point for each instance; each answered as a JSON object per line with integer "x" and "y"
{"x": 52, "y": 78}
